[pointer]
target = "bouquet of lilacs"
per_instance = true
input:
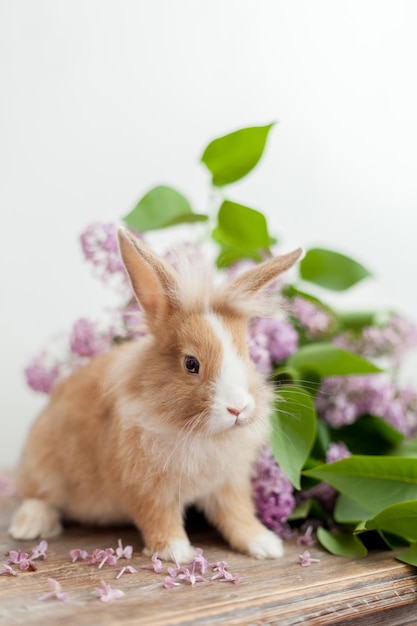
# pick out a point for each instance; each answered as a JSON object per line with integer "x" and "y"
{"x": 341, "y": 462}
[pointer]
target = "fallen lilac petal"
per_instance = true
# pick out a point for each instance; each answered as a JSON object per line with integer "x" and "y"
{"x": 306, "y": 539}
{"x": 14, "y": 556}
{"x": 155, "y": 565}
{"x": 124, "y": 552}
{"x": 39, "y": 551}
{"x": 173, "y": 571}
{"x": 219, "y": 565}
{"x": 95, "y": 556}
{"x": 56, "y": 591}
{"x": 223, "y": 576}
{"x": 8, "y": 571}
{"x": 108, "y": 593}
{"x": 22, "y": 560}
{"x": 126, "y": 568}
{"x": 231, "y": 579}
{"x": 107, "y": 557}
{"x": 169, "y": 583}
{"x": 190, "y": 577}
{"x": 305, "y": 559}
{"x": 77, "y": 553}
{"x": 200, "y": 560}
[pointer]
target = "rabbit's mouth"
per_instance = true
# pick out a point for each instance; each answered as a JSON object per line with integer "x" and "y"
{"x": 226, "y": 419}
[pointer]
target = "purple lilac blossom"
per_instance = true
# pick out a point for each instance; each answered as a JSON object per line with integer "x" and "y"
{"x": 336, "y": 452}
{"x": 86, "y": 340}
{"x": 342, "y": 399}
{"x": 271, "y": 341}
{"x": 393, "y": 340}
{"x": 273, "y": 493}
{"x": 41, "y": 375}
{"x": 100, "y": 248}
{"x": 314, "y": 320}
{"x": 67, "y": 353}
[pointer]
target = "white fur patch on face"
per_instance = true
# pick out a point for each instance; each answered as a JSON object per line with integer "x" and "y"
{"x": 233, "y": 404}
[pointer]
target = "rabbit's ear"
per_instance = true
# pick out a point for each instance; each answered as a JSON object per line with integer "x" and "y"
{"x": 245, "y": 291}
{"x": 153, "y": 281}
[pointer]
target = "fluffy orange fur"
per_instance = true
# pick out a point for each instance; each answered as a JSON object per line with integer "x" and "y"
{"x": 125, "y": 437}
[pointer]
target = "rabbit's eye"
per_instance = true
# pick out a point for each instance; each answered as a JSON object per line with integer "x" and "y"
{"x": 191, "y": 364}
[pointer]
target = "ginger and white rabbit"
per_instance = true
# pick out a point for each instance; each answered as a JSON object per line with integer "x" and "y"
{"x": 172, "y": 419}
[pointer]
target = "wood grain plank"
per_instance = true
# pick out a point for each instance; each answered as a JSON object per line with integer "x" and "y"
{"x": 274, "y": 593}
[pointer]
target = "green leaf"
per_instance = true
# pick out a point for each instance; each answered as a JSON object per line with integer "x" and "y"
{"x": 408, "y": 447}
{"x": 229, "y": 255}
{"x": 369, "y": 435}
{"x": 294, "y": 431}
{"x": 357, "y": 320}
{"x": 374, "y": 482}
{"x": 341, "y": 544}
{"x": 302, "y": 511}
{"x": 322, "y": 440}
{"x": 331, "y": 269}
{"x": 159, "y": 208}
{"x": 399, "y": 519}
{"x": 347, "y": 511}
{"x": 409, "y": 556}
{"x": 326, "y": 359}
{"x": 232, "y": 156}
{"x": 394, "y": 542}
{"x": 241, "y": 231}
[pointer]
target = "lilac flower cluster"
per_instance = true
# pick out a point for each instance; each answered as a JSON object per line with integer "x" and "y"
{"x": 86, "y": 341}
{"x": 341, "y": 400}
{"x": 99, "y": 246}
{"x": 65, "y": 354}
{"x": 393, "y": 339}
{"x": 271, "y": 341}
{"x": 273, "y": 493}
{"x": 42, "y": 373}
{"x": 312, "y": 319}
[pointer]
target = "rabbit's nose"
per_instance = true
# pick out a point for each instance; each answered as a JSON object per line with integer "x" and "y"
{"x": 235, "y": 412}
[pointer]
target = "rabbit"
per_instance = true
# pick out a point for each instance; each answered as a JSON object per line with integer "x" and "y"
{"x": 171, "y": 419}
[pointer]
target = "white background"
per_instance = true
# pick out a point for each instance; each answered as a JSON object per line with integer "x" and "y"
{"x": 101, "y": 100}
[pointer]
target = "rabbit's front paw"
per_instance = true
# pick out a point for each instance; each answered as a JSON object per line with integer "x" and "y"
{"x": 266, "y": 546}
{"x": 178, "y": 550}
{"x": 35, "y": 518}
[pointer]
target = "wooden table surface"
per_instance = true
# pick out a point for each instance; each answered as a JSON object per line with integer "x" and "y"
{"x": 374, "y": 590}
